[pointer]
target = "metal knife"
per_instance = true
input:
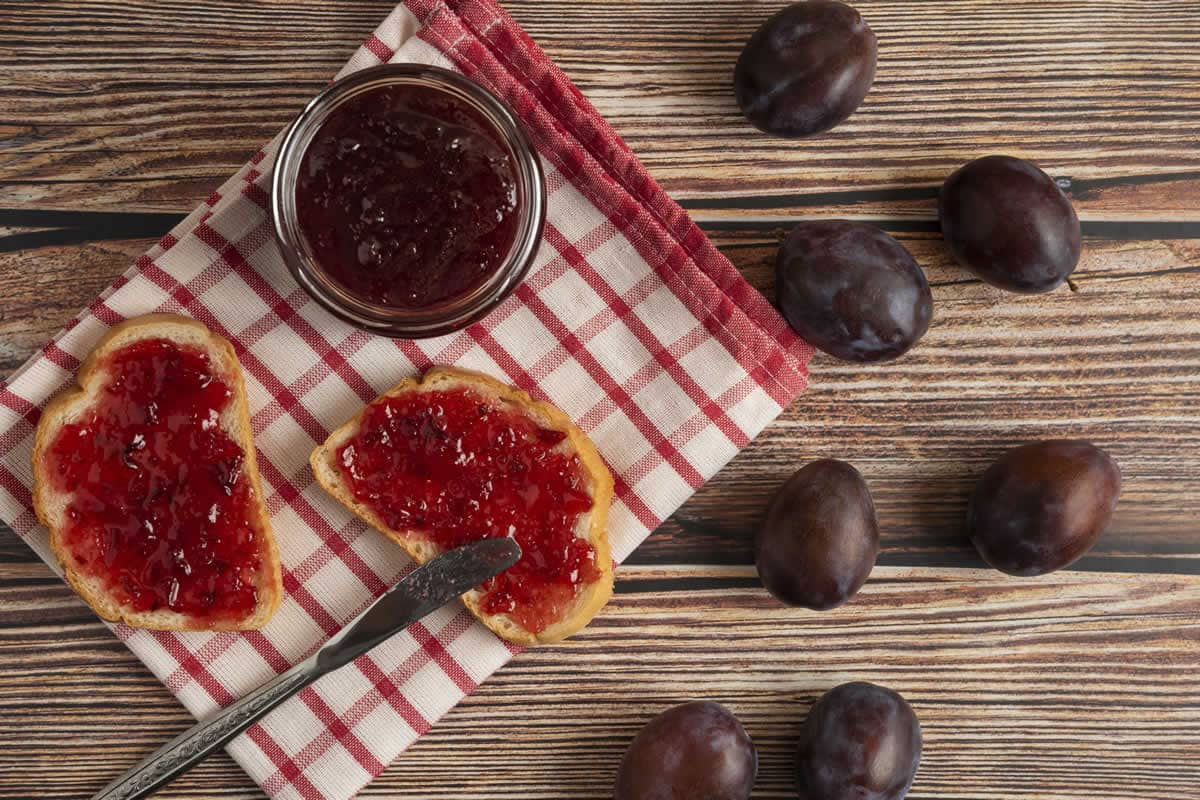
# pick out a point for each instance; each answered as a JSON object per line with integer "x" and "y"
{"x": 425, "y": 589}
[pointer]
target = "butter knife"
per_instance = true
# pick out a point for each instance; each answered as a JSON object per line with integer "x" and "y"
{"x": 425, "y": 589}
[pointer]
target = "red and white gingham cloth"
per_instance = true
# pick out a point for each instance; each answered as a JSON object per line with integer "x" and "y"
{"x": 630, "y": 321}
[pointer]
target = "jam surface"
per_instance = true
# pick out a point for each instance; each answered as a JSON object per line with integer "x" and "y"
{"x": 454, "y": 469}
{"x": 408, "y": 197}
{"x": 160, "y": 507}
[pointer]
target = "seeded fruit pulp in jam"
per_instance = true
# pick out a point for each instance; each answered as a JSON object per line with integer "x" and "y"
{"x": 452, "y": 467}
{"x": 160, "y": 507}
{"x": 408, "y": 197}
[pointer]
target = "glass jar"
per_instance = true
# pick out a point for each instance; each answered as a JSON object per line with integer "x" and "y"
{"x": 443, "y": 316}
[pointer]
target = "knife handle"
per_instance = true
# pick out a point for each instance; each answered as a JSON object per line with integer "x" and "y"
{"x": 426, "y": 588}
{"x": 182, "y": 752}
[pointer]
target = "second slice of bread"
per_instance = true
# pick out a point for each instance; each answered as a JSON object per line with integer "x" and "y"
{"x": 591, "y": 526}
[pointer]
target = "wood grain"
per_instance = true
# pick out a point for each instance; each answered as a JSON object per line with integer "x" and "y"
{"x": 116, "y": 118}
{"x": 1069, "y": 689}
{"x": 1103, "y": 92}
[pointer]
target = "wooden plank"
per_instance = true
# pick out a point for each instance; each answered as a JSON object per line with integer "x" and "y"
{"x": 160, "y": 104}
{"x": 41, "y": 289}
{"x": 1117, "y": 361}
{"x": 1074, "y": 688}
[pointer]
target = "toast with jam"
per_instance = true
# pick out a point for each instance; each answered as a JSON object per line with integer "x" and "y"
{"x": 145, "y": 476}
{"x": 456, "y": 456}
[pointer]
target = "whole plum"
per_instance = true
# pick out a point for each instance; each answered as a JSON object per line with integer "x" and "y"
{"x": 1041, "y": 506}
{"x": 806, "y": 69}
{"x": 859, "y": 742}
{"x": 851, "y": 290}
{"x": 820, "y": 538}
{"x": 695, "y": 751}
{"x": 1010, "y": 224}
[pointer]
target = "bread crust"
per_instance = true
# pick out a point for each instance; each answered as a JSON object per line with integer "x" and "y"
{"x": 592, "y": 597}
{"x": 172, "y": 327}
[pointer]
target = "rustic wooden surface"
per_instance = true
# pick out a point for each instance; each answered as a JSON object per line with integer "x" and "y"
{"x": 116, "y": 118}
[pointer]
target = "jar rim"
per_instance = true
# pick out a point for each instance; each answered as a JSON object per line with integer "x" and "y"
{"x": 448, "y": 315}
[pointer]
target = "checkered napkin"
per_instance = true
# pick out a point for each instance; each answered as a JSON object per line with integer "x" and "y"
{"x": 630, "y": 321}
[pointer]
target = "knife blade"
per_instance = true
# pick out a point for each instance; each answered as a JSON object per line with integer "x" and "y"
{"x": 423, "y": 590}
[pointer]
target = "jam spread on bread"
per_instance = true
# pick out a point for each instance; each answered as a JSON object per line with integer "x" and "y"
{"x": 407, "y": 196}
{"x": 159, "y": 505}
{"x": 451, "y": 467}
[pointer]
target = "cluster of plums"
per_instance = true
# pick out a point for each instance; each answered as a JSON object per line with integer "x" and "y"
{"x": 859, "y": 742}
{"x": 1037, "y": 508}
{"x": 855, "y": 292}
{"x": 849, "y": 288}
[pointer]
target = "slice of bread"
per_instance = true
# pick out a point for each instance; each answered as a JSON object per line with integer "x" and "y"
{"x": 591, "y": 526}
{"x": 51, "y": 505}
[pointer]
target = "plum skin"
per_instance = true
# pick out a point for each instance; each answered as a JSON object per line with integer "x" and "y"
{"x": 820, "y": 538}
{"x": 1009, "y": 223}
{"x": 806, "y": 69}
{"x": 852, "y": 290}
{"x": 859, "y": 742}
{"x": 693, "y": 751}
{"x": 1041, "y": 506}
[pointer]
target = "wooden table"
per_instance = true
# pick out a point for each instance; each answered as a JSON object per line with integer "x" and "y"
{"x": 116, "y": 118}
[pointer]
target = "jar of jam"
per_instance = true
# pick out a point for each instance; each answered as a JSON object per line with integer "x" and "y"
{"x": 408, "y": 200}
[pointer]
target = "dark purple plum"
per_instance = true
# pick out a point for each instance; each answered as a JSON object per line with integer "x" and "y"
{"x": 1010, "y": 224}
{"x": 1041, "y": 506}
{"x": 820, "y": 538}
{"x": 695, "y": 751}
{"x": 806, "y": 69}
{"x": 859, "y": 742}
{"x": 851, "y": 290}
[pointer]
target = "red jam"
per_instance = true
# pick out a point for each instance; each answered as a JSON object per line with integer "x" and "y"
{"x": 160, "y": 507}
{"x": 457, "y": 469}
{"x": 408, "y": 197}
